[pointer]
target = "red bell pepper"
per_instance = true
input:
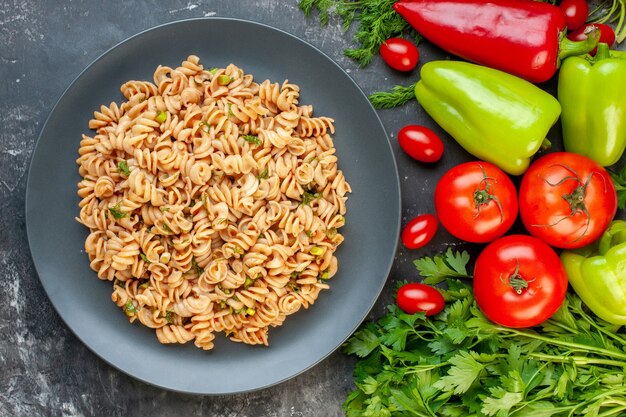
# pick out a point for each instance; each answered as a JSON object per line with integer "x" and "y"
{"x": 522, "y": 37}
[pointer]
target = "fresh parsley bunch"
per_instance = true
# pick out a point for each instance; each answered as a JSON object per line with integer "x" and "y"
{"x": 458, "y": 363}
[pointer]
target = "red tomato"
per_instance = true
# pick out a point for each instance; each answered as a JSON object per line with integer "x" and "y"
{"x": 607, "y": 35}
{"x": 575, "y": 12}
{"x": 399, "y": 54}
{"x": 519, "y": 281}
{"x": 419, "y": 231}
{"x": 476, "y": 201}
{"x": 420, "y": 143}
{"x": 567, "y": 200}
{"x": 414, "y": 297}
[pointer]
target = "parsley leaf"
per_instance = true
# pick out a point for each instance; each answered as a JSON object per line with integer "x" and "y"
{"x": 195, "y": 267}
{"x": 252, "y": 139}
{"x": 464, "y": 371}
{"x": 451, "y": 264}
{"x": 501, "y": 401}
{"x": 117, "y": 212}
{"x": 224, "y": 79}
{"x": 161, "y": 117}
{"x": 363, "y": 342}
{"x": 206, "y": 127}
{"x": 129, "y": 308}
{"x": 122, "y": 168}
{"x": 308, "y": 197}
{"x": 169, "y": 317}
{"x": 264, "y": 174}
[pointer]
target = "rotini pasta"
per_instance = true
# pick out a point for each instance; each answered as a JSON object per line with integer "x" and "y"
{"x": 213, "y": 203}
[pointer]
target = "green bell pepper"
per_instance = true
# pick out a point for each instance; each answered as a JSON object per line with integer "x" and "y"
{"x": 495, "y": 116}
{"x": 598, "y": 273}
{"x": 592, "y": 93}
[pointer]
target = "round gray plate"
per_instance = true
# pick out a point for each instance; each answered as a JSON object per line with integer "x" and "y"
{"x": 365, "y": 258}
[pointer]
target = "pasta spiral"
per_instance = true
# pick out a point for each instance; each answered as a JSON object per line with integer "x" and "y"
{"x": 213, "y": 203}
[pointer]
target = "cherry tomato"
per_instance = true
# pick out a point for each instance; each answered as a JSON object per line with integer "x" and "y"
{"x": 399, "y": 54}
{"x": 420, "y": 143}
{"x": 575, "y": 12}
{"x": 567, "y": 200}
{"x": 607, "y": 35}
{"x": 419, "y": 231}
{"x": 414, "y": 297}
{"x": 519, "y": 281}
{"x": 476, "y": 201}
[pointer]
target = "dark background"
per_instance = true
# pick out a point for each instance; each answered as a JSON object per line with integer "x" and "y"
{"x": 44, "y": 369}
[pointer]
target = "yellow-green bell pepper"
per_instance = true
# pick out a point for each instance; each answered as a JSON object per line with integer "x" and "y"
{"x": 598, "y": 273}
{"x": 495, "y": 116}
{"x": 592, "y": 93}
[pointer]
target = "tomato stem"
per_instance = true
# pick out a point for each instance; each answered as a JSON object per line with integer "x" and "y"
{"x": 483, "y": 196}
{"x": 517, "y": 281}
{"x": 575, "y": 199}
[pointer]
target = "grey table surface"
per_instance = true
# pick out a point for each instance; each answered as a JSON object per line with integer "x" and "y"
{"x": 44, "y": 369}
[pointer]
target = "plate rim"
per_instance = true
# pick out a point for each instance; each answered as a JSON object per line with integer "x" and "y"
{"x": 28, "y": 203}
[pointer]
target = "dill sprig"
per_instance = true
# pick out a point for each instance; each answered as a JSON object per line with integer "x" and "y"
{"x": 377, "y": 22}
{"x": 395, "y": 97}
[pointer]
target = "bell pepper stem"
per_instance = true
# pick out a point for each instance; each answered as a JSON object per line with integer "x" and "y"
{"x": 602, "y": 53}
{"x": 568, "y": 47}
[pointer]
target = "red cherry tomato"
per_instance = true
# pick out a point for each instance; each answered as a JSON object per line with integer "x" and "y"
{"x": 519, "y": 281}
{"x": 419, "y": 231}
{"x": 575, "y": 12}
{"x": 414, "y": 297}
{"x": 420, "y": 143}
{"x": 607, "y": 35}
{"x": 399, "y": 54}
{"x": 476, "y": 201}
{"x": 567, "y": 200}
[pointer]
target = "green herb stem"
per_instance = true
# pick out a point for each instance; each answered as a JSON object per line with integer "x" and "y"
{"x": 605, "y": 332}
{"x": 562, "y": 343}
{"x": 563, "y": 326}
{"x": 416, "y": 369}
{"x": 578, "y": 360}
{"x": 600, "y": 397}
{"x": 613, "y": 412}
